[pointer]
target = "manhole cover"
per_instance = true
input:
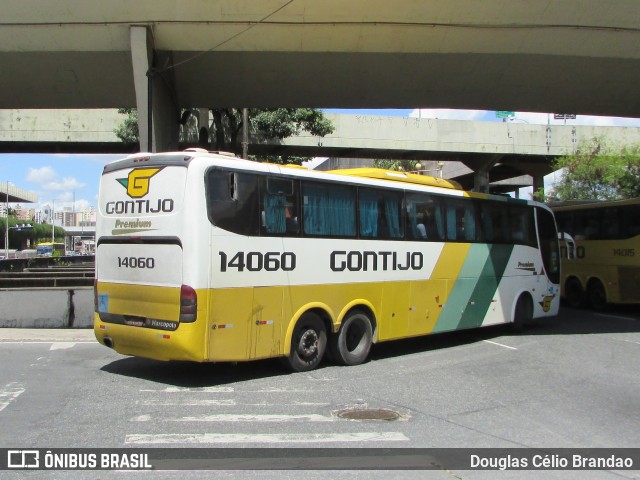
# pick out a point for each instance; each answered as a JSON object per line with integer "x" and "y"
{"x": 368, "y": 414}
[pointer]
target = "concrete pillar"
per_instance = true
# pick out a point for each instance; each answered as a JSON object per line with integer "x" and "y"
{"x": 203, "y": 127}
{"x": 157, "y": 113}
{"x": 141, "y": 56}
{"x": 538, "y": 184}
{"x": 481, "y": 180}
{"x": 481, "y": 174}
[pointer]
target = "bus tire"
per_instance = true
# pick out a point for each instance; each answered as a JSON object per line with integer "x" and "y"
{"x": 596, "y": 294}
{"x": 574, "y": 292}
{"x": 523, "y": 313}
{"x": 308, "y": 343}
{"x": 351, "y": 345}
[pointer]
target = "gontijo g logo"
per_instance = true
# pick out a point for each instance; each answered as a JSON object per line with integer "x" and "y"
{"x": 138, "y": 181}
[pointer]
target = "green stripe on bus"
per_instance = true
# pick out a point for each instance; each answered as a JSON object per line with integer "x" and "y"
{"x": 463, "y": 288}
{"x": 486, "y": 286}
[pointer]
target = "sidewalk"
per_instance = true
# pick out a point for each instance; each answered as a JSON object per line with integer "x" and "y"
{"x": 46, "y": 335}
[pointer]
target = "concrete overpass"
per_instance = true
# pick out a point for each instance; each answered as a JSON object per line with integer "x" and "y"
{"x": 9, "y": 193}
{"x": 502, "y": 150}
{"x": 574, "y": 56}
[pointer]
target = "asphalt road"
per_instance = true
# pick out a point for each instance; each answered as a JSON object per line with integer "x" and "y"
{"x": 572, "y": 381}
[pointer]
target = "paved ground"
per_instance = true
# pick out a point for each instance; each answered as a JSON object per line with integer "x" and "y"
{"x": 572, "y": 382}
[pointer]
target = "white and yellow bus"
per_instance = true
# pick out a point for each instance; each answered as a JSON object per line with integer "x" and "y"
{"x": 606, "y": 264}
{"x": 205, "y": 257}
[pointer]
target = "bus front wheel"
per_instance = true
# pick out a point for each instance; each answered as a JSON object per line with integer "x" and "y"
{"x": 523, "y": 313}
{"x": 574, "y": 292}
{"x": 352, "y": 344}
{"x": 308, "y": 343}
{"x": 596, "y": 294}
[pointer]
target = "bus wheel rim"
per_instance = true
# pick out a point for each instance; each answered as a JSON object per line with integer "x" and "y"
{"x": 308, "y": 344}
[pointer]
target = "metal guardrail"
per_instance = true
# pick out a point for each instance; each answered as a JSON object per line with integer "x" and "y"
{"x": 65, "y": 272}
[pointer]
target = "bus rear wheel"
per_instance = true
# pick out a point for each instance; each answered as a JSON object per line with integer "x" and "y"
{"x": 352, "y": 344}
{"x": 308, "y": 343}
{"x": 596, "y": 294}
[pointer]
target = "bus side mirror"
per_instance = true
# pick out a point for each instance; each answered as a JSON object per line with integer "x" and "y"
{"x": 568, "y": 250}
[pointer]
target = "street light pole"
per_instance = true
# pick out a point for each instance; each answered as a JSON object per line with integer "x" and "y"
{"x": 6, "y": 226}
{"x": 53, "y": 221}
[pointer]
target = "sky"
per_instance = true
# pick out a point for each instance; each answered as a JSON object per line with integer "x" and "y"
{"x": 60, "y": 178}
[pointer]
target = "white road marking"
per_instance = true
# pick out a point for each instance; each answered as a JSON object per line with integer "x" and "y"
{"x": 229, "y": 417}
{"x": 500, "y": 344}
{"x": 191, "y": 389}
{"x": 270, "y": 438}
{"x": 617, "y": 317}
{"x": 9, "y": 393}
{"x": 626, "y": 341}
{"x": 194, "y": 402}
{"x": 62, "y": 345}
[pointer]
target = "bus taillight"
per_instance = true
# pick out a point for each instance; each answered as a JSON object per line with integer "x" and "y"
{"x": 95, "y": 295}
{"x": 188, "y": 304}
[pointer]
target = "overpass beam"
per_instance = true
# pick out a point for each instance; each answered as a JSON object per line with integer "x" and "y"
{"x": 158, "y": 126}
{"x": 481, "y": 174}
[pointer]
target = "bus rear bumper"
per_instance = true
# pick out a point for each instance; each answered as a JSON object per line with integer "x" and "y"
{"x": 185, "y": 343}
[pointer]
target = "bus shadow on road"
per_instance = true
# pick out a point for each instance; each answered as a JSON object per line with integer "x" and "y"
{"x": 576, "y": 321}
{"x": 194, "y": 375}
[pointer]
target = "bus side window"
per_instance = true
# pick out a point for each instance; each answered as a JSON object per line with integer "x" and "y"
{"x": 522, "y": 226}
{"x": 232, "y": 201}
{"x": 630, "y": 225}
{"x": 424, "y": 218}
{"x": 461, "y": 221}
{"x": 328, "y": 210}
{"x": 380, "y": 214}
{"x": 493, "y": 222}
{"x": 279, "y": 208}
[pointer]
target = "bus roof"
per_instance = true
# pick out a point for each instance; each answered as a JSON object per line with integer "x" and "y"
{"x": 396, "y": 176}
{"x": 588, "y": 204}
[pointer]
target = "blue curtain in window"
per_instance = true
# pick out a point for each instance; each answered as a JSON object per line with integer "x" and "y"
{"x": 439, "y": 222}
{"x": 368, "y": 214}
{"x": 412, "y": 210}
{"x": 391, "y": 209}
{"x": 274, "y": 213}
{"x": 469, "y": 225}
{"x": 329, "y": 211}
{"x": 452, "y": 226}
{"x": 488, "y": 225}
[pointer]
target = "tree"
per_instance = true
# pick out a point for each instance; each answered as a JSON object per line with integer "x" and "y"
{"x": 226, "y": 128}
{"x": 399, "y": 165}
{"x": 598, "y": 171}
{"x": 127, "y": 131}
{"x": 39, "y": 232}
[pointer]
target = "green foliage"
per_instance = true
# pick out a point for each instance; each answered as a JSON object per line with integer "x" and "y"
{"x": 598, "y": 171}
{"x": 127, "y": 131}
{"x": 265, "y": 125}
{"x": 399, "y": 165}
{"x": 39, "y": 232}
{"x": 285, "y": 122}
{"x": 226, "y": 128}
